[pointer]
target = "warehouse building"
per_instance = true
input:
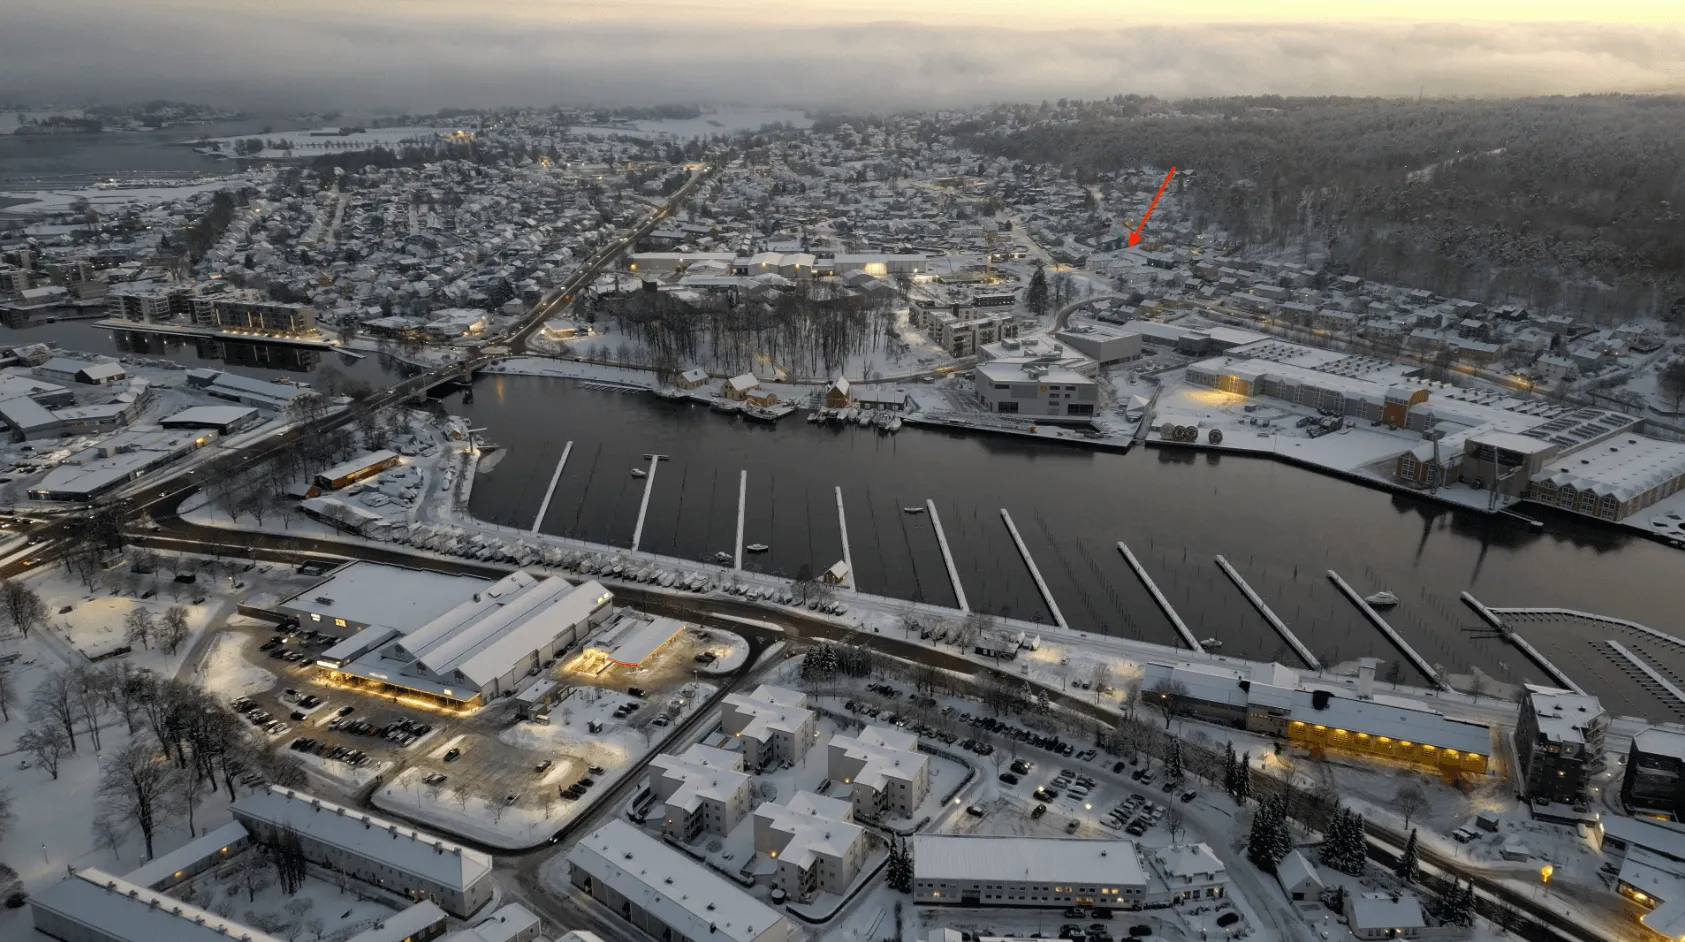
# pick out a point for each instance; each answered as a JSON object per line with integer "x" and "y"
{"x": 665, "y": 894}
{"x": 889, "y": 776}
{"x": 359, "y": 594}
{"x": 1107, "y": 346}
{"x": 634, "y": 638}
{"x": 1030, "y": 872}
{"x": 119, "y": 459}
{"x": 818, "y": 846}
{"x": 395, "y": 858}
{"x": 774, "y": 724}
{"x": 704, "y": 790}
{"x": 483, "y": 648}
{"x": 94, "y": 373}
{"x": 245, "y": 390}
{"x": 357, "y": 469}
{"x": 224, "y": 420}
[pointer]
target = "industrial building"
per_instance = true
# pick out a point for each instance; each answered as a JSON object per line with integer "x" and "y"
{"x": 482, "y": 648}
{"x": 889, "y": 776}
{"x": 1031, "y": 872}
{"x": 357, "y": 469}
{"x": 818, "y": 846}
{"x": 774, "y": 724}
{"x": 121, "y": 458}
{"x": 360, "y": 593}
{"x": 704, "y": 789}
{"x": 1107, "y": 346}
{"x": 634, "y": 638}
{"x": 1612, "y": 482}
{"x": 396, "y": 858}
{"x": 1035, "y": 387}
{"x": 90, "y": 372}
{"x": 1276, "y": 701}
{"x": 1351, "y": 395}
{"x": 1654, "y": 781}
{"x": 224, "y": 420}
{"x": 1559, "y": 741}
{"x": 665, "y": 894}
{"x": 245, "y": 390}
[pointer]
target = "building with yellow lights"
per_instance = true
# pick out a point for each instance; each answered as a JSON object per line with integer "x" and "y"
{"x": 704, "y": 790}
{"x": 631, "y": 640}
{"x": 888, "y": 775}
{"x": 1027, "y": 872}
{"x": 773, "y": 723}
{"x": 487, "y": 646}
{"x": 1276, "y": 701}
{"x": 815, "y": 841}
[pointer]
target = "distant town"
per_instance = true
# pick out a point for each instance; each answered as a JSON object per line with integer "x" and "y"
{"x": 270, "y": 671}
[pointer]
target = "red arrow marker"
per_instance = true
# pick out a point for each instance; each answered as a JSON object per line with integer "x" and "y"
{"x": 1135, "y": 236}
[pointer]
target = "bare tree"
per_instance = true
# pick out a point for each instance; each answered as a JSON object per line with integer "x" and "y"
{"x": 1409, "y": 801}
{"x": 1166, "y": 696}
{"x": 138, "y": 626}
{"x": 45, "y": 741}
{"x": 172, "y": 631}
{"x": 461, "y": 792}
{"x": 55, "y": 701}
{"x": 136, "y": 786}
{"x": 8, "y": 693}
{"x": 88, "y": 696}
{"x": 109, "y": 832}
{"x": 22, "y": 606}
{"x": 1176, "y": 822}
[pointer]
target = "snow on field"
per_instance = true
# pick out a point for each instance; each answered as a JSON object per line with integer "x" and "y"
{"x": 228, "y": 674}
{"x": 324, "y": 907}
{"x": 95, "y": 624}
{"x": 530, "y": 819}
{"x": 730, "y": 651}
{"x": 338, "y": 773}
{"x": 106, "y": 200}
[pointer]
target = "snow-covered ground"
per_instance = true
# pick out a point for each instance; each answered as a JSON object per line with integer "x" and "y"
{"x": 323, "y": 908}
{"x": 108, "y": 200}
{"x": 308, "y": 143}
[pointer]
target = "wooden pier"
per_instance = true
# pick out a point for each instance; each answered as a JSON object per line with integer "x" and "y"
{"x": 1386, "y": 629}
{"x": 1534, "y": 654}
{"x": 1163, "y": 603}
{"x": 1280, "y": 626}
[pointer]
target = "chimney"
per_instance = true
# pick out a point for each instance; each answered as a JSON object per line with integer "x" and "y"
{"x": 1366, "y": 677}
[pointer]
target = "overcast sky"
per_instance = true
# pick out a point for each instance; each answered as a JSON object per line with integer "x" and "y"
{"x": 425, "y": 54}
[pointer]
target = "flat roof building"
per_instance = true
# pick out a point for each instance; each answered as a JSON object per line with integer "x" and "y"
{"x": 773, "y": 722}
{"x": 117, "y": 460}
{"x": 666, "y": 894}
{"x": 1035, "y": 387}
{"x": 397, "y": 858}
{"x": 359, "y": 594}
{"x": 818, "y": 846}
{"x": 222, "y": 419}
{"x": 890, "y": 777}
{"x": 1107, "y": 346}
{"x": 1654, "y": 781}
{"x": 94, "y": 906}
{"x": 704, "y": 790}
{"x": 635, "y": 638}
{"x": 356, "y": 469}
{"x": 1032, "y": 872}
{"x": 1559, "y": 740}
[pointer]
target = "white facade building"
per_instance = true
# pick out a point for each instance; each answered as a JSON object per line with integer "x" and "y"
{"x": 1027, "y": 871}
{"x": 1036, "y": 387}
{"x": 889, "y": 775}
{"x": 704, "y": 790}
{"x": 818, "y": 846}
{"x": 773, "y": 722}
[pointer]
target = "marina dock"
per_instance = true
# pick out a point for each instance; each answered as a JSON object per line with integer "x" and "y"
{"x": 1647, "y": 670}
{"x": 947, "y": 556}
{"x": 1035, "y": 573}
{"x": 1534, "y": 654}
{"x": 742, "y": 498}
{"x": 1386, "y": 629}
{"x": 1163, "y": 603}
{"x": 1269, "y": 616}
{"x": 643, "y": 507}
{"x": 842, "y": 527}
{"x": 544, "y": 507}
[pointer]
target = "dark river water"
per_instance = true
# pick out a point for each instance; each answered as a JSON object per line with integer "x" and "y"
{"x": 30, "y": 159}
{"x": 1280, "y": 526}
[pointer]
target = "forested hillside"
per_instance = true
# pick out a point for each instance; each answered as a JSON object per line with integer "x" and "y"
{"x": 1568, "y": 204}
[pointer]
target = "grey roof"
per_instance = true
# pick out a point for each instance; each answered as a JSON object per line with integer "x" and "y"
{"x": 196, "y": 416}
{"x": 485, "y": 648}
{"x": 377, "y": 594}
{"x": 1296, "y": 868}
{"x": 1028, "y": 859}
{"x": 403, "y": 848}
{"x": 1385, "y": 911}
{"x": 164, "y": 866}
{"x": 678, "y": 891}
{"x": 115, "y": 908}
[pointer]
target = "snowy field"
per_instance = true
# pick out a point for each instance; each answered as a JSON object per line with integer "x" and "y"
{"x": 306, "y": 145}
{"x": 108, "y": 200}
{"x": 324, "y": 907}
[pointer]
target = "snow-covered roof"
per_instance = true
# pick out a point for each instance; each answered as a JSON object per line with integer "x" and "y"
{"x": 404, "y": 925}
{"x": 1626, "y": 469}
{"x": 1110, "y": 863}
{"x": 366, "y": 593}
{"x": 637, "y": 638}
{"x": 1030, "y": 370}
{"x": 767, "y": 709}
{"x": 512, "y": 921}
{"x": 482, "y": 638}
{"x": 677, "y": 891}
{"x": 354, "y": 832}
{"x": 1386, "y": 911}
{"x": 1394, "y": 720}
{"x": 359, "y": 463}
{"x": 113, "y": 907}
{"x": 1661, "y": 741}
{"x": 1187, "y": 860}
{"x": 886, "y": 753}
{"x": 165, "y": 866}
{"x": 1563, "y": 715}
{"x": 208, "y": 416}
{"x": 810, "y": 826}
{"x": 1652, "y": 873}
{"x": 700, "y": 773}
{"x": 744, "y": 382}
{"x": 1663, "y": 837}
{"x": 1296, "y": 869}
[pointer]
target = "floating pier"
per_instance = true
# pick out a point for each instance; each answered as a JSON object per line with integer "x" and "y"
{"x": 842, "y": 526}
{"x": 1588, "y": 616}
{"x": 742, "y": 496}
{"x": 1386, "y": 629}
{"x": 947, "y": 556}
{"x": 1269, "y": 616}
{"x": 1534, "y": 654}
{"x": 1163, "y": 603}
{"x": 643, "y": 508}
{"x": 1649, "y": 671}
{"x": 1046, "y": 593}
{"x": 551, "y": 492}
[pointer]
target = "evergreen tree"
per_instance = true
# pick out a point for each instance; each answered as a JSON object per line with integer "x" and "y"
{"x": 1268, "y": 840}
{"x": 1335, "y": 839}
{"x": 1456, "y": 907}
{"x": 1229, "y": 769}
{"x": 1173, "y": 772}
{"x": 819, "y": 663}
{"x": 1243, "y": 779}
{"x": 1356, "y": 848}
{"x": 900, "y": 868}
{"x": 1035, "y": 296}
{"x": 1406, "y": 869}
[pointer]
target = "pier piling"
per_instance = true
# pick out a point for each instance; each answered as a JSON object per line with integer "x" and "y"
{"x": 1035, "y": 573}
{"x": 544, "y": 507}
{"x": 1269, "y": 616}
{"x": 1387, "y": 630}
{"x": 947, "y": 556}
{"x": 1163, "y": 603}
{"x": 1649, "y": 671}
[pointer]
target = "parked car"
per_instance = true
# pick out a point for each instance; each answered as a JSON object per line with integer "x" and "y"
{"x": 453, "y": 755}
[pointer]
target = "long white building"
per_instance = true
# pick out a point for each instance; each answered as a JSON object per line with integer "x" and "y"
{"x": 1027, "y": 872}
{"x": 395, "y": 857}
{"x": 665, "y": 894}
{"x": 818, "y": 846}
{"x": 889, "y": 776}
{"x": 704, "y": 790}
{"x": 773, "y": 722}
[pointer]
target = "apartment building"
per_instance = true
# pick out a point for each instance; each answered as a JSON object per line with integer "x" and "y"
{"x": 961, "y": 330}
{"x": 890, "y": 777}
{"x": 773, "y": 722}
{"x": 254, "y": 314}
{"x": 1654, "y": 782}
{"x": 1559, "y": 743}
{"x": 704, "y": 790}
{"x": 1032, "y": 872}
{"x": 818, "y": 846}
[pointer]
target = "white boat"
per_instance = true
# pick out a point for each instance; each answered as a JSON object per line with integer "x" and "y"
{"x": 757, "y": 547}
{"x": 1211, "y": 644}
{"x": 813, "y": 417}
{"x": 894, "y": 425}
{"x": 847, "y": 415}
{"x": 1382, "y": 599}
{"x": 912, "y": 510}
{"x": 723, "y": 557}
{"x": 865, "y": 418}
{"x": 639, "y": 473}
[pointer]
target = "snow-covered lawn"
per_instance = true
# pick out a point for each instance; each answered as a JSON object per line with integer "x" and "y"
{"x": 339, "y": 774}
{"x": 730, "y": 651}
{"x": 535, "y": 814}
{"x": 228, "y": 674}
{"x": 324, "y": 907}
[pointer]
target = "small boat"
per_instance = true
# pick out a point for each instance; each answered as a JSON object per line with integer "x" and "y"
{"x": 912, "y": 510}
{"x": 1382, "y": 599}
{"x": 639, "y": 473}
{"x": 865, "y": 418}
{"x": 1211, "y": 644}
{"x": 724, "y": 557}
{"x": 757, "y": 547}
{"x": 813, "y": 417}
{"x": 894, "y": 425}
